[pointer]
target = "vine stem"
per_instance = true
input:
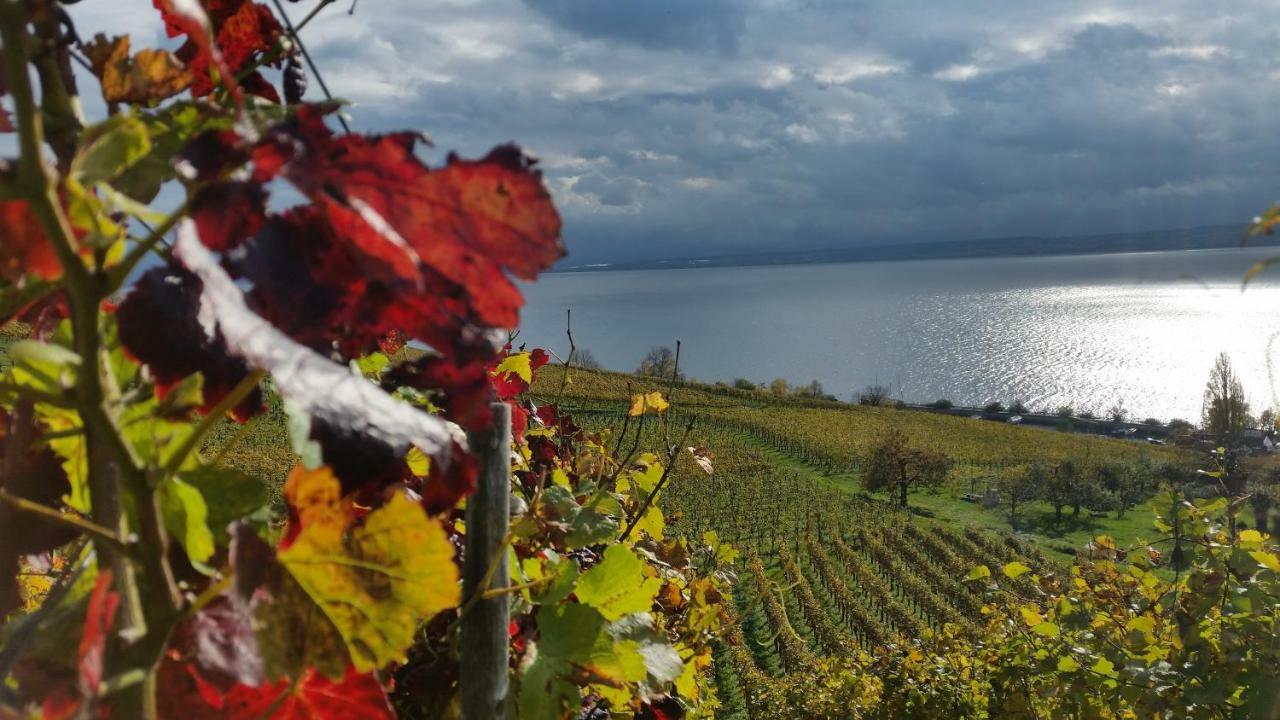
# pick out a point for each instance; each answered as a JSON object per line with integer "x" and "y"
{"x": 88, "y": 527}
{"x": 214, "y": 416}
{"x": 112, "y": 466}
{"x": 672, "y": 459}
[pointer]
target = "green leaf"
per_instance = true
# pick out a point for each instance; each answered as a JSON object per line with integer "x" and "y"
{"x": 116, "y": 145}
{"x": 1015, "y": 570}
{"x": 569, "y": 631}
{"x": 372, "y": 364}
{"x": 229, "y": 496}
{"x": 617, "y": 585}
{"x": 1066, "y": 663}
{"x": 186, "y": 517}
{"x": 980, "y": 572}
{"x": 307, "y": 450}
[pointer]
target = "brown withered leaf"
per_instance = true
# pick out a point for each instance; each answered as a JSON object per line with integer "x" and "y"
{"x": 149, "y": 76}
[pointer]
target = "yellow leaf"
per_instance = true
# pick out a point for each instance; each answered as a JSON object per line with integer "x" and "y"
{"x": 652, "y": 522}
{"x": 419, "y": 462}
{"x": 517, "y": 363}
{"x": 1267, "y": 560}
{"x": 643, "y": 403}
{"x": 1015, "y": 570}
{"x": 1031, "y": 615}
{"x": 377, "y": 580}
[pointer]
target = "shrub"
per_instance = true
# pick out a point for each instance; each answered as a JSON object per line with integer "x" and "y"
{"x": 744, "y": 384}
{"x": 1017, "y": 408}
{"x": 941, "y": 404}
{"x": 1064, "y": 411}
{"x": 994, "y": 406}
{"x": 1151, "y": 421}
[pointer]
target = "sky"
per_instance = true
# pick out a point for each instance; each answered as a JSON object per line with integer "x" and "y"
{"x": 688, "y": 128}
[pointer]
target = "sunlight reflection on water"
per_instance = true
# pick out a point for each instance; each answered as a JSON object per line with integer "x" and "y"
{"x": 1085, "y": 331}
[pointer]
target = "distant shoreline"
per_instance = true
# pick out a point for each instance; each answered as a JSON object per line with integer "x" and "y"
{"x": 1213, "y": 237}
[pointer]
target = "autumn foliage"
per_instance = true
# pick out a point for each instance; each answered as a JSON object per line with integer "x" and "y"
{"x": 167, "y": 585}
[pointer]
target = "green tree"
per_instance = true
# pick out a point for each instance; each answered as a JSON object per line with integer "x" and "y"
{"x": 893, "y": 465}
{"x": 1022, "y": 487}
{"x": 1225, "y": 411}
{"x": 1061, "y": 486}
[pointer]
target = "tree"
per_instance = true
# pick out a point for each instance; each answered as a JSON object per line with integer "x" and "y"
{"x": 995, "y": 406}
{"x": 1061, "y": 486}
{"x": 1225, "y": 411}
{"x": 812, "y": 390}
{"x": 1064, "y": 411}
{"x": 585, "y": 360}
{"x": 1018, "y": 408}
{"x": 893, "y": 465}
{"x": 1118, "y": 412}
{"x": 1022, "y": 487}
{"x": 744, "y": 384}
{"x": 941, "y": 404}
{"x": 874, "y": 395}
{"x": 779, "y": 387}
{"x": 660, "y": 362}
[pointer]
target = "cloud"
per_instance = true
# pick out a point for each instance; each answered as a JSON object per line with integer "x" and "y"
{"x": 683, "y": 128}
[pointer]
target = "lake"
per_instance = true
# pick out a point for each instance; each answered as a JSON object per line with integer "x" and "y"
{"x": 1087, "y": 330}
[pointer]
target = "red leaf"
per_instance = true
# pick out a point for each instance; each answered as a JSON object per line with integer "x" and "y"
{"x": 160, "y": 326}
{"x": 25, "y": 249}
{"x": 188, "y": 696}
{"x": 463, "y": 390}
{"x": 97, "y": 623}
{"x": 446, "y": 486}
{"x": 225, "y": 35}
{"x": 469, "y": 223}
{"x": 6, "y": 122}
{"x": 228, "y": 213}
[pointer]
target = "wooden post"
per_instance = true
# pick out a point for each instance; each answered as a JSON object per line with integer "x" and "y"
{"x": 484, "y": 641}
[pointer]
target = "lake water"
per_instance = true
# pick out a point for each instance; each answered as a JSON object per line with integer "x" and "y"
{"x": 1086, "y": 331}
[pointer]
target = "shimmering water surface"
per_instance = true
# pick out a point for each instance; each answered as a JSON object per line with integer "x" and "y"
{"x": 1085, "y": 331}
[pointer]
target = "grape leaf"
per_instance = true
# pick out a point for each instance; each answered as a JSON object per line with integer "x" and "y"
{"x": 186, "y": 517}
{"x": 149, "y": 76}
{"x": 224, "y": 35}
{"x": 97, "y": 625}
{"x": 377, "y": 579}
{"x": 189, "y": 696}
{"x": 643, "y": 403}
{"x": 463, "y": 390}
{"x": 227, "y": 213}
{"x": 228, "y": 494}
{"x": 322, "y": 389}
{"x": 617, "y": 585}
{"x": 25, "y": 249}
{"x": 159, "y": 325}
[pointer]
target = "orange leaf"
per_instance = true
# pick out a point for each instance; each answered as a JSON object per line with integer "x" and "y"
{"x": 146, "y": 77}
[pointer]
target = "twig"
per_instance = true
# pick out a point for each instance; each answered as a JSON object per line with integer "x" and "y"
{"x": 293, "y": 33}
{"x": 34, "y": 395}
{"x": 673, "y": 458}
{"x": 88, "y": 527}
{"x": 213, "y": 417}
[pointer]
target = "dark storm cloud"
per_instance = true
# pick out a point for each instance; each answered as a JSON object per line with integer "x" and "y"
{"x": 701, "y": 127}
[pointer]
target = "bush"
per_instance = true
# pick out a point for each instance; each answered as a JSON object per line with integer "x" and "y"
{"x": 1086, "y": 415}
{"x": 1017, "y": 408}
{"x": 941, "y": 404}
{"x": 743, "y": 384}
{"x": 1064, "y": 411}
{"x": 993, "y": 407}
{"x": 899, "y": 405}
{"x": 1151, "y": 421}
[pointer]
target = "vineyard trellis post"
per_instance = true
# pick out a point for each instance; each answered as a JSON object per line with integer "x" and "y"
{"x": 484, "y": 643}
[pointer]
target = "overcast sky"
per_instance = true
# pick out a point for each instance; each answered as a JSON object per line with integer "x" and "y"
{"x": 688, "y": 127}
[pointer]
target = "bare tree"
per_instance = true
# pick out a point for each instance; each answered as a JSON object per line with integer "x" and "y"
{"x": 659, "y": 362}
{"x": 585, "y": 360}
{"x": 873, "y": 395}
{"x": 1225, "y": 413}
